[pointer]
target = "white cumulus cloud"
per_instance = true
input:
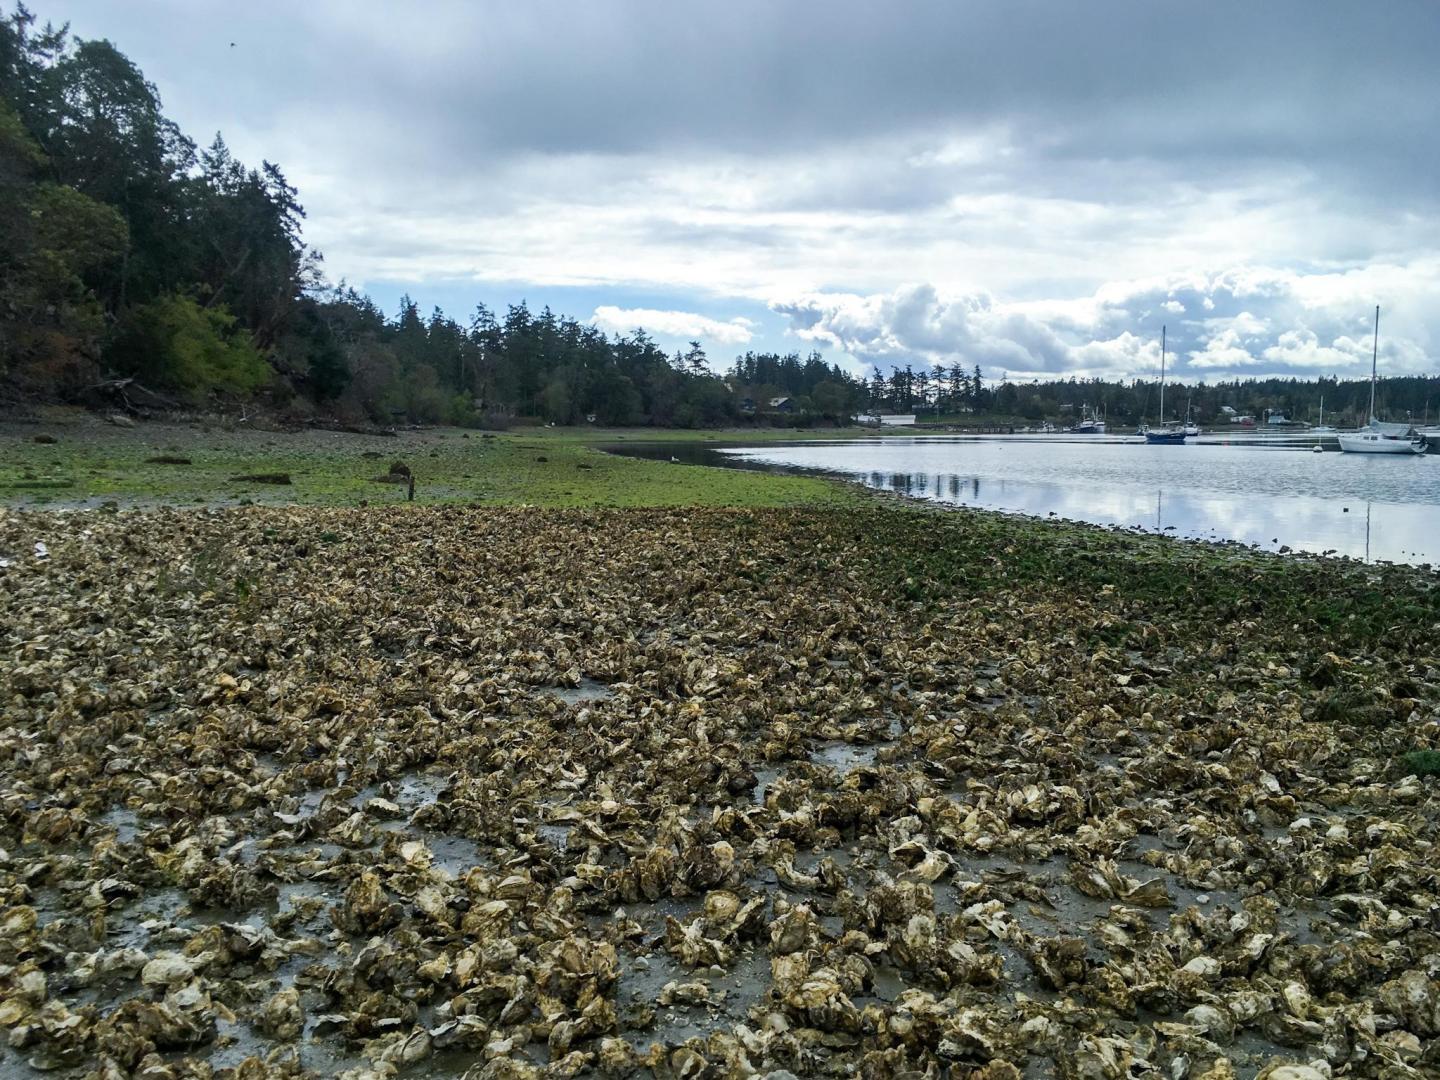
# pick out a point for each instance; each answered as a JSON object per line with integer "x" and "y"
{"x": 682, "y": 324}
{"x": 915, "y": 324}
{"x": 1256, "y": 321}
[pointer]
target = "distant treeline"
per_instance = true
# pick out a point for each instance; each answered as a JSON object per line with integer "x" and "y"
{"x": 957, "y": 391}
{"x": 135, "y": 267}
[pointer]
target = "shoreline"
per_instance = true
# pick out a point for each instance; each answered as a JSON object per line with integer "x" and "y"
{"x": 538, "y": 466}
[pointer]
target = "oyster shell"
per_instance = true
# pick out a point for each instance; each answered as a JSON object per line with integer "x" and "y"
{"x": 700, "y": 793}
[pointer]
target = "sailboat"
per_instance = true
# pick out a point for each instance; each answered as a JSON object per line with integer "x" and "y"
{"x": 1191, "y": 428}
{"x": 1321, "y": 428}
{"x": 1375, "y": 437}
{"x": 1428, "y": 431}
{"x": 1166, "y": 436}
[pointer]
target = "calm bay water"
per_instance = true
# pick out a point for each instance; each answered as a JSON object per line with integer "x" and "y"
{"x": 1372, "y": 507}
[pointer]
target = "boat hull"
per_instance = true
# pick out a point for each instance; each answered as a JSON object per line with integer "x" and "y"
{"x": 1165, "y": 438}
{"x": 1358, "y": 442}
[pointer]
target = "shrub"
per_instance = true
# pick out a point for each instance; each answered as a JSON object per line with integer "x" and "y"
{"x": 196, "y": 351}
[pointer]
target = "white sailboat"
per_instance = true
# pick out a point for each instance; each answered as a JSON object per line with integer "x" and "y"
{"x": 1322, "y": 428}
{"x": 1375, "y": 437}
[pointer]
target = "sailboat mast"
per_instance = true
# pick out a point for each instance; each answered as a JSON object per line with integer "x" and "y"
{"x": 1374, "y": 354}
{"x": 1162, "y": 375}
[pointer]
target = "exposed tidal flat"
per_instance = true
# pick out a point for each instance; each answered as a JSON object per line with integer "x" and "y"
{"x": 430, "y": 790}
{"x": 1271, "y": 492}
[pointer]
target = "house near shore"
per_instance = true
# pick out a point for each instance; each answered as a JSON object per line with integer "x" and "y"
{"x": 782, "y": 404}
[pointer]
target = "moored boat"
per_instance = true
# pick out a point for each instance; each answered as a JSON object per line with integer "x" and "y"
{"x": 1166, "y": 434}
{"x": 1376, "y": 437}
{"x": 1191, "y": 428}
{"x": 1090, "y": 423}
{"x": 1166, "y": 437}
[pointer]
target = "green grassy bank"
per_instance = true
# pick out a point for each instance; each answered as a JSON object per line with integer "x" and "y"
{"x": 91, "y": 462}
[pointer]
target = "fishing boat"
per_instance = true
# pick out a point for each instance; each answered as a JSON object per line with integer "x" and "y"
{"x": 1376, "y": 437}
{"x": 1090, "y": 423}
{"x": 1191, "y": 428}
{"x": 1165, "y": 435}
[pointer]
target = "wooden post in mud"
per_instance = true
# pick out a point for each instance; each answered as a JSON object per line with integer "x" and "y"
{"x": 410, "y": 496}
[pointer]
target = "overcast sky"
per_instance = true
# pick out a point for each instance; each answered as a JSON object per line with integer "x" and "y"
{"x": 1033, "y": 187}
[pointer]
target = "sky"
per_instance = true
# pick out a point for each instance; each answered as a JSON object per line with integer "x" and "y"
{"x": 1033, "y": 187}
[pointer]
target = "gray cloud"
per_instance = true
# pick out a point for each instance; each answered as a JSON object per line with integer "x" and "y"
{"x": 1031, "y": 161}
{"x": 465, "y": 83}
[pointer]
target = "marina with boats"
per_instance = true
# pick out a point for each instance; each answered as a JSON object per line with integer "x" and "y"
{"x": 1373, "y": 436}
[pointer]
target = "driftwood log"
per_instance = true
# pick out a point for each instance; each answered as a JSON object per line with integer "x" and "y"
{"x": 132, "y": 396}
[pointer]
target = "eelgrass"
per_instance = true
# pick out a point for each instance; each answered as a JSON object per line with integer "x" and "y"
{"x": 1422, "y": 762}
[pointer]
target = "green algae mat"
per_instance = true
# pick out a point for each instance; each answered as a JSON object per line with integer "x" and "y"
{"x": 83, "y": 462}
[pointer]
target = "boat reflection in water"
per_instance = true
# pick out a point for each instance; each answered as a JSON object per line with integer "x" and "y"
{"x": 1300, "y": 524}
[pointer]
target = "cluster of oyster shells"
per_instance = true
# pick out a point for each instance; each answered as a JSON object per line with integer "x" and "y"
{"x": 508, "y": 793}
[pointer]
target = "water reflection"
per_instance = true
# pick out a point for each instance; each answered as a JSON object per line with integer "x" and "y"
{"x": 1300, "y": 524}
{"x": 1321, "y": 503}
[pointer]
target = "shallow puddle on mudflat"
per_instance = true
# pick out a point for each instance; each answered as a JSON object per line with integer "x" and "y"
{"x": 123, "y": 820}
{"x": 455, "y": 854}
{"x": 845, "y": 757}
{"x": 808, "y": 861}
{"x": 410, "y": 791}
{"x": 589, "y": 690}
{"x": 765, "y": 778}
{"x": 742, "y": 985}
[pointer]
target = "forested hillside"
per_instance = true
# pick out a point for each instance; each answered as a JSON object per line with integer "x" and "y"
{"x": 132, "y": 261}
{"x": 137, "y": 268}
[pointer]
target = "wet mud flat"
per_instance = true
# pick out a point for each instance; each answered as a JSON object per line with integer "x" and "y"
{"x": 506, "y": 793}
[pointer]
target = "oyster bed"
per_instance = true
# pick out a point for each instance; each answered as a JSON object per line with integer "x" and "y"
{"x": 442, "y": 791}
